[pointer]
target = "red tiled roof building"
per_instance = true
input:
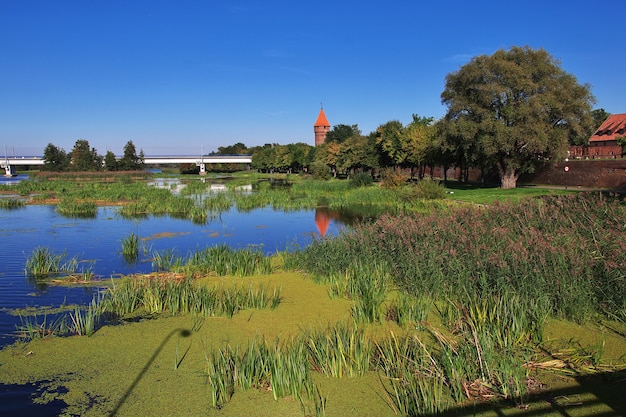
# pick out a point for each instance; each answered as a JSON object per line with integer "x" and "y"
{"x": 321, "y": 128}
{"x": 603, "y": 143}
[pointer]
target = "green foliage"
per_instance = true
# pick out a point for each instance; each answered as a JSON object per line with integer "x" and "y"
{"x": 361, "y": 180}
{"x": 320, "y": 171}
{"x": 539, "y": 249}
{"x": 43, "y": 262}
{"x": 110, "y": 161}
{"x": 393, "y": 178}
{"x": 82, "y": 158}
{"x": 130, "y": 248}
{"x": 490, "y": 126}
{"x": 55, "y": 159}
{"x": 11, "y": 203}
{"x": 428, "y": 189}
{"x": 73, "y": 208}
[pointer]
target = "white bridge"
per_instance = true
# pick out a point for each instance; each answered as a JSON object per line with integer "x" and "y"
{"x": 9, "y": 164}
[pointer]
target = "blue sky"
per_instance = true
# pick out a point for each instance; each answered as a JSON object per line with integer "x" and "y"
{"x": 179, "y": 76}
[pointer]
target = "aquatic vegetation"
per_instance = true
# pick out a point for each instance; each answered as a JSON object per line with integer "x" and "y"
{"x": 73, "y": 208}
{"x": 44, "y": 262}
{"x": 566, "y": 251}
{"x": 339, "y": 350}
{"x": 279, "y": 367}
{"x": 174, "y": 296}
{"x": 11, "y": 203}
{"x": 223, "y": 260}
{"x": 130, "y": 248}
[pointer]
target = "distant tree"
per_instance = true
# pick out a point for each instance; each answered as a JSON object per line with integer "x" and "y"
{"x": 110, "y": 162}
{"x": 300, "y": 156}
{"x": 55, "y": 159}
{"x": 236, "y": 149}
{"x": 515, "y": 109}
{"x": 340, "y": 133}
{"x": 358, "y": 153}
{"x": 129, "y": 161}
{"x": 419, "y": 136}
{"x": 328, "y": 154}
{"x": 392, "y": 141}
{"x": 82, "y": 158}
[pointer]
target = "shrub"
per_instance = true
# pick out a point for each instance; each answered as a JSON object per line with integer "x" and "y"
{"x": 428, "y": 189}
{"x": 320, "y": 171}
{"x": 392, "y": 178}
{"x": 361, "y": 180}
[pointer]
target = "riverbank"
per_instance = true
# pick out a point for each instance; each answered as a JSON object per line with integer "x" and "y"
{"x": 158, "y": 366}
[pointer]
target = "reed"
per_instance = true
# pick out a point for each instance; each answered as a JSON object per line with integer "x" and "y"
{"x": 80, "y": 209}
{"x": 223, "y": 260}
{"x": 183, "y": 296}
{"x": 130, "y": 248}
{"x": 414, "y": 381}
{"x": 341, "y": 350}
{"x": 43, "y": 262}
{"x": 11, "y": 203}
{"x": 278, "y": 367}
{"x": 407, "y": 309}
{"x": 84, "y": 322}
{"x": 567, "y": 251}
{"x": 30, "y": 327}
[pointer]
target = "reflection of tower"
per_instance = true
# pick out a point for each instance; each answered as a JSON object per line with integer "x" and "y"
{"x": 321, "y": 128}
{"x": 322, "y": 220}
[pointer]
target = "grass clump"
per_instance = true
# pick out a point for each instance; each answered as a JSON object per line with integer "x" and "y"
{"x": 130, "y": 248}
{"x": 11, "y": 203}
{"x": 567, "y": 251}
{"x": 44, "y": 262}
{"x": 80, "y": 209}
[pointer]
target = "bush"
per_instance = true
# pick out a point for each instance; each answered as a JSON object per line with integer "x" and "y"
{"x": 428, "y": 189}
{"x": 392, "y": 178}
{"x": 320, "y": 171}
{"x": 361, "y": 180}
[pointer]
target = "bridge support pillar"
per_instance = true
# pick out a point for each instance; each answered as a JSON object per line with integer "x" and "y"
{"x": 202, "y": 168}
{"x": 9, "y": 170}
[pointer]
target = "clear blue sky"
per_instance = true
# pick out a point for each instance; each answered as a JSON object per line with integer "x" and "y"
{"x": 179, "y": 76}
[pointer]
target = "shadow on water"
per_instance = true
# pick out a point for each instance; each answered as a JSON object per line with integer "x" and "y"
{"x": 181, "y": 333}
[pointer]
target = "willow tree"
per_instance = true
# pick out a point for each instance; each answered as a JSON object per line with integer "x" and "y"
{"x": 515, "y": 109}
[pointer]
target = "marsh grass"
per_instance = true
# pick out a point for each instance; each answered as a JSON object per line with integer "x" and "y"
{"x": 174, "y": 296}
{"x": 279, "y": 367}
{"x": 130, "y": 248}
{"x": 566, "y": 253}
{"x": 11, "y": 203}
{"x": 42, "y": 262}
{"x": 84, "y": 321}
{"x": 223, "y": 260}
{"x": 340, "y": 350}
{"x": 31, "y": 328}
{"x": 79, "y": 209}
{"x": 406, "y": 309}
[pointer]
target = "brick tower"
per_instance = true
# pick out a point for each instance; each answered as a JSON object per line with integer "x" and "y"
{"x": 321, "y": 128}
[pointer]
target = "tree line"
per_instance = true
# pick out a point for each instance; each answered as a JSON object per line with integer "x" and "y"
{"x": 506, "y": 114}
{"x": 85, "y": 158}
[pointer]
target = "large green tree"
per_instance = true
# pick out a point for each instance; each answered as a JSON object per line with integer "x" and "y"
{"x": 54, "y": 158}
{"x": 130, "y": 161}
{"x": 340, "y": 133}
{"x": 515, "y": 109}
{"x": 84, "y": 158}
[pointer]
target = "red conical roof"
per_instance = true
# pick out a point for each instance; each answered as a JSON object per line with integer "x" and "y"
{"x": 321, "y": 119}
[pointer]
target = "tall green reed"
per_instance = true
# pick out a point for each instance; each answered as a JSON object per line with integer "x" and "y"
{"x": 44, "y": 262}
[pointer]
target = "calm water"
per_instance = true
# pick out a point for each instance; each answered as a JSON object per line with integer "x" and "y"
{"x": 98, "y": 243}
